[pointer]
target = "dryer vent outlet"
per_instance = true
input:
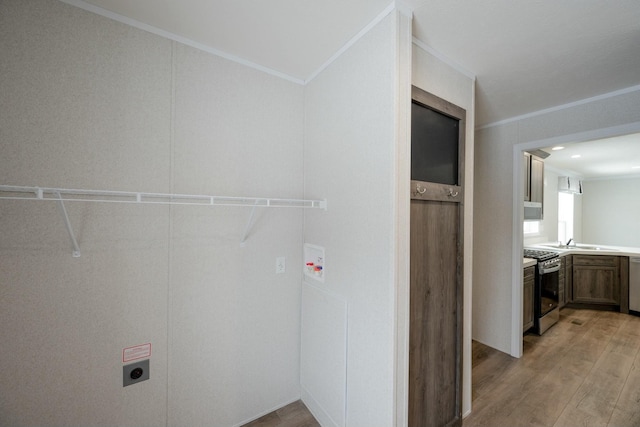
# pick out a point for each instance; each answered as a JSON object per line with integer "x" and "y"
{"x": 135, "y": 373}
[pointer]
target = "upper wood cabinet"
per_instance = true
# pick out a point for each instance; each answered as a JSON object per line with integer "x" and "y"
{"x": 526, "y": 168}
{"x": 537, "y": 179}
{"x": 533, "y": 167}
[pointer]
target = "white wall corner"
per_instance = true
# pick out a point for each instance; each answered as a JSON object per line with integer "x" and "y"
{"x": 402, "y": 175}
{"x": 516, "y": 268}
{"x": 353, "y": 41}
{"x": 403, "y": 8}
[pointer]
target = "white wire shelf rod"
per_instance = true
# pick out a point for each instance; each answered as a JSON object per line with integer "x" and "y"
{"x": 106, "y": 196}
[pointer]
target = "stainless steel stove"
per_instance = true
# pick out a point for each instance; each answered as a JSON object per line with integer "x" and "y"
{"x": 539, "y": 255}
{"x": 547, "y": 295}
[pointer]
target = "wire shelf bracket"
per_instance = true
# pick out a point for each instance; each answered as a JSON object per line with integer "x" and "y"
{"x": 61, "y": 195}
{"x": 67, "y": 223}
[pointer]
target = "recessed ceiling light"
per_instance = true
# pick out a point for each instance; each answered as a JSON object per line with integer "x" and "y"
{"x": 557, "y": 148}
{"x": 576, "y": 156}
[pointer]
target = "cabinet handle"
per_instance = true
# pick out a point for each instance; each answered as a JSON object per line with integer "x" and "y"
{"x": 420, "y": 190}
{"x": 452, "y": 193}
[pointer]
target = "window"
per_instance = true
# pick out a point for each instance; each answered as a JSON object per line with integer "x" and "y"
{"x": 565, "y": 217}
{"x": 531, "y": 227}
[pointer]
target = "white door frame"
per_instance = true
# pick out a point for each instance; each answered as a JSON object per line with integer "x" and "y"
{"x": 518, "y": 214}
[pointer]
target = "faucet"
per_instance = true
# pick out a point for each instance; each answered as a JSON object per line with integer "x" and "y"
{"x": 570, "y": 240}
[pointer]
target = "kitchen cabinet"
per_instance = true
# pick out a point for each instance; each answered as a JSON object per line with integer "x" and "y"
{"x": 568, "y": 278}
{"x": 533, "y": 167}
{"x": 596, "y": 280}
{"x": 537, "y": 179}
{"x": 562, "y": 300}
{"x": 528, "y": 297}
{"x": 624, "y": 283}
{"x": 526, "y": 167}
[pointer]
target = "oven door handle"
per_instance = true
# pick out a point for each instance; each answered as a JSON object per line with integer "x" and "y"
{"x": 550, "y": 269}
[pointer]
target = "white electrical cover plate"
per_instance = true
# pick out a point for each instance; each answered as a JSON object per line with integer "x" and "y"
{"x": 314, "y": 262}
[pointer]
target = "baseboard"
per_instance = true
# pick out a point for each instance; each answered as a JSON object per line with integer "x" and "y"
{"x": 317, "y": 410}
{"x": 599, "y": 307}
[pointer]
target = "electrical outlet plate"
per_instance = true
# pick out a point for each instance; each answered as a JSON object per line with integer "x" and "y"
{"x": 281, "y": 265}
{"x": 135, "y": 373}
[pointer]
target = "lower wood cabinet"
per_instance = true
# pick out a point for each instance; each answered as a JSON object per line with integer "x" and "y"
{"x": 568, "y": 278}
{"x": 562, "y": 300}
{"x": 596, "y": 279}
{"x": 528, "y": 297}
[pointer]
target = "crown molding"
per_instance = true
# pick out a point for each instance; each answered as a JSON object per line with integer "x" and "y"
{"x": 353, "y": 41}
{"x": 562, "y": 107}
{"x": 177, "y": 38}
{"x": 422, "y": 45}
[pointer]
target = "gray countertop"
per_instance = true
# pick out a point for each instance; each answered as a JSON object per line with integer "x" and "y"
{"x": 583, "y": 249}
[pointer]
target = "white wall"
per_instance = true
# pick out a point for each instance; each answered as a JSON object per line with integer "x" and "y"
{"x": 91, "y": 103}
{"x": 611, "y": 212}
{"x": 497, "y": 230}
{"x": 234, "y": 325}
{"x": 349, "y": 159}
{"x": 437, "y": 77}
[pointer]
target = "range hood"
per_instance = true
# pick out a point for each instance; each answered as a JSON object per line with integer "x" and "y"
{"x": 533, "y": 211}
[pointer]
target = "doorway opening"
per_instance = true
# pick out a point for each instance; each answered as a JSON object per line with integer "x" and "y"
{"x": 518, "y": 214}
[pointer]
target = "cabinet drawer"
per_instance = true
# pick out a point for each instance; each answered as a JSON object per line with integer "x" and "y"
{"x": 599, "y": 260}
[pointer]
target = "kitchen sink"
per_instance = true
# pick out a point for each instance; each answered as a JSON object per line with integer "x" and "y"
{"x": 579, "y": 246}
{"x": 556, "y": 246}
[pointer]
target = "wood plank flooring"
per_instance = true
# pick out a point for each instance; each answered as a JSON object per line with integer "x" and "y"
{"x": 295, "y": 414}
{"x": 585, "y": 371}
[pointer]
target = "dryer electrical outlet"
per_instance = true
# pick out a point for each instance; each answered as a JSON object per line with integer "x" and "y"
{"x": 135, "y": 373}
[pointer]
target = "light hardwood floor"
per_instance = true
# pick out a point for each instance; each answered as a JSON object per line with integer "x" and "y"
{"x": 295, "y": 414}
{"x": 583, "y": 372}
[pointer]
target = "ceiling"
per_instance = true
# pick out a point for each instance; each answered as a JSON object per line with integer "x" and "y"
{"x": 610, "y": 158}
{"x": 537, "y": 54}
{"x": 527, "y": 55}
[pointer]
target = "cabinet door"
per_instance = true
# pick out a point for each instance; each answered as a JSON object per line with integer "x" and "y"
{"x": 562, "y": 300}
{"x": 537, "y": 179}
{"x": 526, "y": 167}
{"x": 596, "y": 285}
{"x": 528, "y": 297}
{"x": 568, "y": 279}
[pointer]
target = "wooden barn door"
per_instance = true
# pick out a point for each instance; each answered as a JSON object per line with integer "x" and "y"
{"x": 435, "y": 337}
